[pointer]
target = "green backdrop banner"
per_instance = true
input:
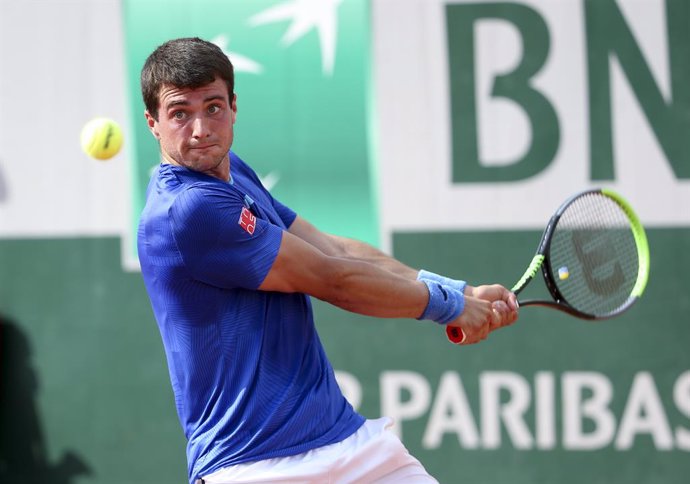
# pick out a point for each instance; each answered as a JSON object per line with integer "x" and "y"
{"x": 302, "y": 98}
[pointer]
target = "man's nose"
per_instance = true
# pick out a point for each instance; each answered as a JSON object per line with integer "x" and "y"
{"x": 200, "y": 127}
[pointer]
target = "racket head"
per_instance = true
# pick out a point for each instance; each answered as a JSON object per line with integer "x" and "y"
{"x": 596, "y": 256}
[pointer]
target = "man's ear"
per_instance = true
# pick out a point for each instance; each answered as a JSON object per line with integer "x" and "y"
{"x": 152, "y": 124}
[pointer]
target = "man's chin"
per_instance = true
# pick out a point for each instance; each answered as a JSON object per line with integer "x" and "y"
{"x": 207, "y": 161}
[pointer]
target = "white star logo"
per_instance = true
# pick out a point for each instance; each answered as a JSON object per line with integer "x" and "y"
{"x": 240, "y": 63}
{"x": 270, "y": 180}
{"x": 306, "y": 15}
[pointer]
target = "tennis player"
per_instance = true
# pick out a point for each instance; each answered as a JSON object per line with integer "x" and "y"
{"x": 230, "y": 270}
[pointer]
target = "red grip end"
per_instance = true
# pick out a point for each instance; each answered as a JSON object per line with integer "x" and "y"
{"x": 455, "y": 334}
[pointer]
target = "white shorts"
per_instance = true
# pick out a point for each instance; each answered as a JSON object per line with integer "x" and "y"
{"x": 372, "y": 454}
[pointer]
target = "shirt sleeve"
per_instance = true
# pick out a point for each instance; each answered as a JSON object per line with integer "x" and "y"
{"x": 286, "y": 214}
{"x": 221, "y": 242}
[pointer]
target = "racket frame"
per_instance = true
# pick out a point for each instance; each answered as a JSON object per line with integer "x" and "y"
{"x": 541, "y": 261}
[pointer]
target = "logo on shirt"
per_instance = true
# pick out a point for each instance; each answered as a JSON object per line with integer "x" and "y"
{"x": 247, "y": 221}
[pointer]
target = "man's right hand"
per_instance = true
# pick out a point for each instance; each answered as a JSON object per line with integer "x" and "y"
{"x": 487, "y": 308}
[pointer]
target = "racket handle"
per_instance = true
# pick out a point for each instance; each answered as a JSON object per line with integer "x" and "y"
{"x": 455, "y": 335}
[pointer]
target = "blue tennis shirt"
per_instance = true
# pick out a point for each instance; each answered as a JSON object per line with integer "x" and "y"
{"x": 250, "y": 376}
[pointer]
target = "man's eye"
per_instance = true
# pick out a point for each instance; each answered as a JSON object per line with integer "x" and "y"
{"x": 178, "y": 114}
{"x": 213, "y": 109}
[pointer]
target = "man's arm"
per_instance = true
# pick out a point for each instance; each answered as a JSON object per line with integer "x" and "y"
{"x": 351, "y": 284}
{"x": 361, "y": 279}
{"x": 354, "y": 249}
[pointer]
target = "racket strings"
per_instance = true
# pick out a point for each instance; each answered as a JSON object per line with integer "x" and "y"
{"x": 593, "y": 255}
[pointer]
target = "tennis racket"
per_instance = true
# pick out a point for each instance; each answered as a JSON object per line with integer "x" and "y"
{"x": 594, "y": 257}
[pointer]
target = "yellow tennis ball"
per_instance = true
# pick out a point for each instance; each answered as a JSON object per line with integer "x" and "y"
{"x": 101, "y": 138}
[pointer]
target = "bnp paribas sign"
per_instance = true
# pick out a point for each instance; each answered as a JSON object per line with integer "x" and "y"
{"x": 507, "y": 107}
{"x": 487, "y": 115}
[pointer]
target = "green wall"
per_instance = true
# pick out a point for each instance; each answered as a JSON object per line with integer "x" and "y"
{"x": 83, "y": 370}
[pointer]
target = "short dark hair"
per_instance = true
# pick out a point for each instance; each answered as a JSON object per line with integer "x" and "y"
{"x": 188, "y": 62}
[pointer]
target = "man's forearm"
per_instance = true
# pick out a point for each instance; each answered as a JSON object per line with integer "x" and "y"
{"x": 336, "y": 246}
{"x": 355, "y": 249}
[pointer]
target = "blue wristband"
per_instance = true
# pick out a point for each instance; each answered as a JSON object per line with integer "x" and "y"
{"x": 445, "y": 303}
{"x": 447, "y": 281}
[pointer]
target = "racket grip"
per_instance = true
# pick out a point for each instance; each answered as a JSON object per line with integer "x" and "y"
{"x": 455, "y": 335}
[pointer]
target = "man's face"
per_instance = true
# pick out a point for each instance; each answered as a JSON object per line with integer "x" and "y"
{"x": 195, "y": 127}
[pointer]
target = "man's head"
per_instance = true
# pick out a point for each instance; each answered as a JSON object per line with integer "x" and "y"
{"x": 184, "y": 63}
{"x": 191, "y": 109}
